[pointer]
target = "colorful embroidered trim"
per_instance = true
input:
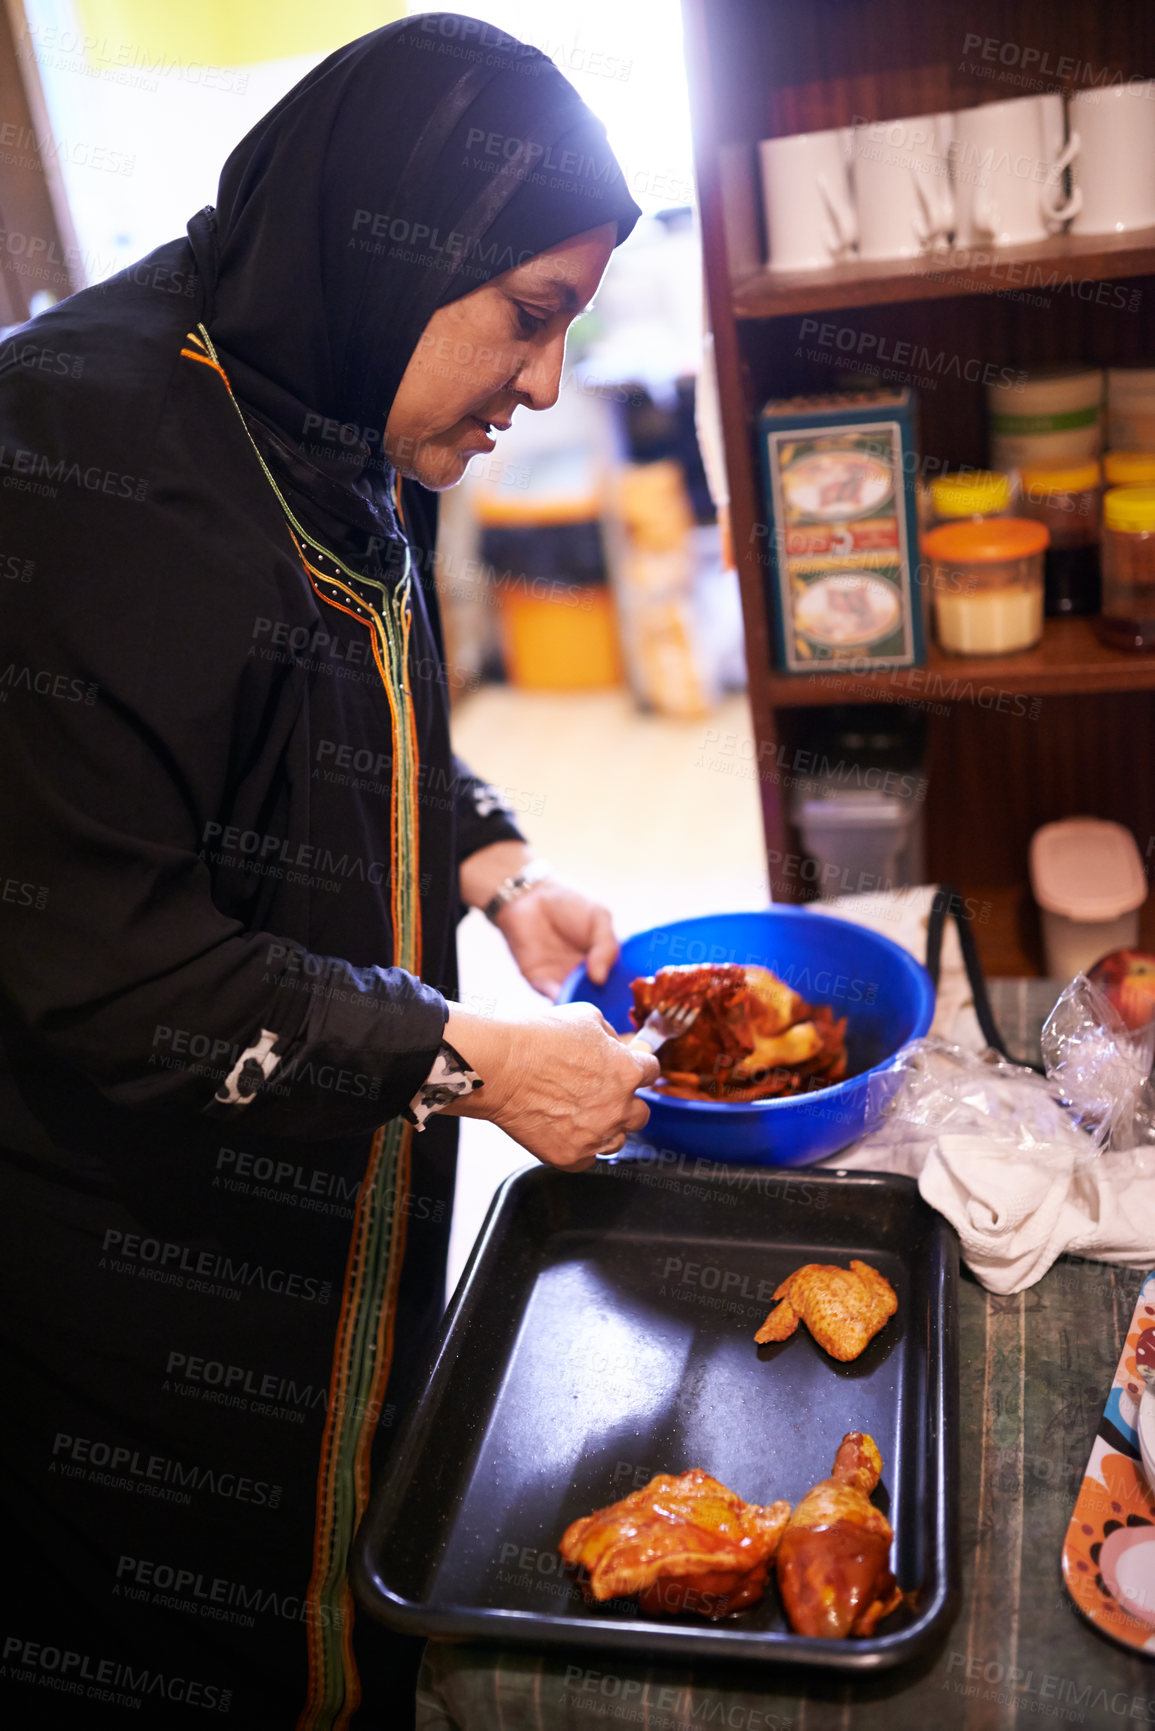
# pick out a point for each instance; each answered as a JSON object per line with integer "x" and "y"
{"x": 363, "y": 1348}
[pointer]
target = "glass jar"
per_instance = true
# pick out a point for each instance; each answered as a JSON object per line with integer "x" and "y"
{"x": 1128, "y": 556}
{"x": 987, "y": 582}
{"x": 970, "y": 495}
{"x": 1068, "y": 501}
{"x": 1129, "y": 468}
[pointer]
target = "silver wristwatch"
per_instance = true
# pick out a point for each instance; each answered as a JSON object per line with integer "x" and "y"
{"x": 516, "y": 886}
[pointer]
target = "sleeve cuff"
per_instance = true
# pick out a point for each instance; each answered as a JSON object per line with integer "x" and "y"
{"x": 450, "y": 1078}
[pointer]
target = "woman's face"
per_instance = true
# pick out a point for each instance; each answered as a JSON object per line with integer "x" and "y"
{"x": 482, "y": 355}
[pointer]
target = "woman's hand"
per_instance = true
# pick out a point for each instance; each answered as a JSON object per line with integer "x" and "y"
{"x": 550, "y": 928}
{"x": 561, "y": 1083}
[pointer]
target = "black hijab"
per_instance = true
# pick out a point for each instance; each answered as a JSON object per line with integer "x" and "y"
{"x": 406, "y": 170}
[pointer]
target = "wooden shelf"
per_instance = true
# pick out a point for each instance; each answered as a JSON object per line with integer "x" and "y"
{"x": 1008, "y": 929}
{"x": 759, "y": 71}
{"x": 1047, "y": 268}
{"x": 1070, "y": 660}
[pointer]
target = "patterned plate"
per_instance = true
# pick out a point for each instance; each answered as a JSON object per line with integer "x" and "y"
{"x": 1109, "y": 1553}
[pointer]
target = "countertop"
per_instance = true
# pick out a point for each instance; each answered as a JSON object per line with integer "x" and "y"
{"x": 1035, "y": 1370}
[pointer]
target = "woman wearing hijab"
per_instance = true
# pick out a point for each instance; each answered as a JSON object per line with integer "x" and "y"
{"x": 237, "y": 846}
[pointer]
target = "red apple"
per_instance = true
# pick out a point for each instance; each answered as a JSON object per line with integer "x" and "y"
{"x": 1128, "y": 978}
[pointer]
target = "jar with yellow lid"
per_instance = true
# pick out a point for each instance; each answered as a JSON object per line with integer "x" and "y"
{"x": 1128, "y": 617}
{"x": 970, "y": 495}
{"x": 987, "y": 582}
{"x": 1068, "y": 500}
{"x": 1129, "y": 468}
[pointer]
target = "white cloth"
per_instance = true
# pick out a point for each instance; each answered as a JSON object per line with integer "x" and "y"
{"x": 995, "y": 1152}
{"x": 1014, "y": 1215}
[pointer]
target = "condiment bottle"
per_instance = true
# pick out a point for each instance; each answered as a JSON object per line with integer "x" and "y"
{"x": 987, "y": 583}
{"x": 1128, "y": 560}
{"x": 1068, "y": 500}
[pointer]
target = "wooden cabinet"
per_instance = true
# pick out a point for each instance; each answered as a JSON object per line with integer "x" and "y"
{"x": 1013, "y": 741}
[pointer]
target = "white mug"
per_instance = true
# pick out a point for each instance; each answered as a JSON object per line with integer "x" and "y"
{"x": 1008, "y": 161}
{"x": 1113, "y": 131}
{"x": 901, "y": 173}
{"x": 810, "y": 220}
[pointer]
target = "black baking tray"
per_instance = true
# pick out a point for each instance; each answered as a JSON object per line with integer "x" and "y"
{"x": 603, "y": 1332}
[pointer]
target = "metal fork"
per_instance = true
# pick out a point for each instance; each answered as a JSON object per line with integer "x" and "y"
{"x": 662, "y": 1025}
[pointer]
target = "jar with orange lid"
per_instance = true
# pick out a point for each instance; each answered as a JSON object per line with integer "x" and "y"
{"x": 969, "y": 495}
{"x": 1128, "y": 556}
{"x": 987, "y": 584}
{"x": 1067, "y": 499}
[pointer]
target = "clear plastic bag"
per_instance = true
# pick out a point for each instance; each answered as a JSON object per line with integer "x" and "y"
{"x": 932, "y": 1088}
{"x": 1096, "y": 1095}
{"x": 1101, "y": 1067}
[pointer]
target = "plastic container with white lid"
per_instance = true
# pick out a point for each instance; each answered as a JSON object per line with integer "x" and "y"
{"x": 1051, "y": 416}
{"x": 1087, "y": 877}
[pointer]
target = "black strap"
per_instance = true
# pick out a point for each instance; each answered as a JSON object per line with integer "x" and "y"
{"x": 948, "y": 901}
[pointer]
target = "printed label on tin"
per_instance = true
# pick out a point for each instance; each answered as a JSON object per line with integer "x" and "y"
{"x": 841, "y": 542}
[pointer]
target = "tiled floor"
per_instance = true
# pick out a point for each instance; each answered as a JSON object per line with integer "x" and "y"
{"x": 653, "y": 816}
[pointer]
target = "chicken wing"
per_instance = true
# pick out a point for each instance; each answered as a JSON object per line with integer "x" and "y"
{"x": 683, "y": 1543}
{"x": 833, "y": 1571}
{"x": 843, "y": 1308}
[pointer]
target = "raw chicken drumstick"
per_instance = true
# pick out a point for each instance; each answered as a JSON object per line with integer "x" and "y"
{"x": 833, "y": 1572}
{"x": 684, "y": 1543}
{"x": 843, "y": 1308}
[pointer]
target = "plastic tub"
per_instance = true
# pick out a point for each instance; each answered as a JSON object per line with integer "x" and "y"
{"x": 1052, "y": 416}
{"x": 1087, "y": 877}
{"x": 1131, "y": 408}
{"x": 987, "y": 583}
{"x": 883, "y": 992}
{"x": 863, "y": 841}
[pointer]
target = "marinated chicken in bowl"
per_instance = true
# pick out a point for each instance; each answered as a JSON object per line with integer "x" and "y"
{"x": 754, "y": 1037}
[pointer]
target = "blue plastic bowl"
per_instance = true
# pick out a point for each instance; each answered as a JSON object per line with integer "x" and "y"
{"x": 885, "y": 995}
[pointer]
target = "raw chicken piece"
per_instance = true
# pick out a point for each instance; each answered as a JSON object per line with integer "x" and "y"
{"x": 833, "y": 1572}
{"x": 843, "y": 1308}
{"x": 684, "y": 1543}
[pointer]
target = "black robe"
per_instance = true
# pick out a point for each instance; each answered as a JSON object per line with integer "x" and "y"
{"x": 232, "y": 828}
{"x": 196, "y": 755}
